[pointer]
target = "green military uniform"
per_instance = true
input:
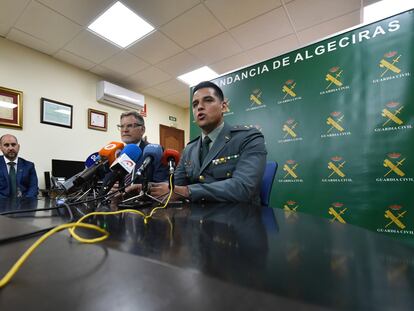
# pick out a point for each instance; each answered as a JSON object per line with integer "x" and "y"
{"x": 232, "y": 170}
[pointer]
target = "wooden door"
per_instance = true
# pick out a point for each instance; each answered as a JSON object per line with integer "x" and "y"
{"x": 171, "y": 138}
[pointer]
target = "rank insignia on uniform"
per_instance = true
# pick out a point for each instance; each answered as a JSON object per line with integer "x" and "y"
{"x": 225, "y": 159}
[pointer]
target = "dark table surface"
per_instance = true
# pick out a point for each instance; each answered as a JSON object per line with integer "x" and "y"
{"x": 205, "y": 257}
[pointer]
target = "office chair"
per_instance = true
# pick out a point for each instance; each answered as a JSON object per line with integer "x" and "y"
{"x": 267, "y": 182}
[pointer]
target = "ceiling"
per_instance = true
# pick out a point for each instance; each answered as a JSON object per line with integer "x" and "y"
{"x": 223, "y": 34}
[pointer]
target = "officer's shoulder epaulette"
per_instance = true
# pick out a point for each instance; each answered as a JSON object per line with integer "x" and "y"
{"x": 193, "y": 141}
{"x": 236, "y": 128}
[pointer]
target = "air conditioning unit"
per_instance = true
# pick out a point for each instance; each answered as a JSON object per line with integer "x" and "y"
{"x": 111, "y": 94}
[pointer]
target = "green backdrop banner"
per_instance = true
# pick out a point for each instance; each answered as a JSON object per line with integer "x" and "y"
{"x": 338, "y": 117}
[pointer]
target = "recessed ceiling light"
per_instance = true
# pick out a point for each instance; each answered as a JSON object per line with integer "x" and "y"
{"x": 120, "y": 25}
{"x": 201, "y": 74}
{"x": 385, "y": 8}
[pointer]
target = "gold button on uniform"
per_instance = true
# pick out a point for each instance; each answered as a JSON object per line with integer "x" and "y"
{"x": 201, "y": 178}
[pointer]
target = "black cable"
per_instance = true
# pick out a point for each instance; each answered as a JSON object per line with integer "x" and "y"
{"x": 37, "y": 232}
{"x": 41, "y": 231}
{"x": 25, "y": 235}
{"x": 106, "y": 196}
{"x": 30, "y": 210}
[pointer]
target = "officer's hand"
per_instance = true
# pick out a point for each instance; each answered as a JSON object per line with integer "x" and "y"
{"x": 133, "y": 189}
{"x": 160, "y": 189}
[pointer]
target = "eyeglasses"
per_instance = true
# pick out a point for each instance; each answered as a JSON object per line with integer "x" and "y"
{"x": 128, "y": 126}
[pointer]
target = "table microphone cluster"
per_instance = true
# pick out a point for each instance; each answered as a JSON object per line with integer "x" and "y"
{"x": 121, "y": 165}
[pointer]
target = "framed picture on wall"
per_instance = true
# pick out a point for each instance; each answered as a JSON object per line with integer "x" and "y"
{"x": 56, "y": 113}
{"x": 97, "y": 120}
{"x": 11, "y": 108}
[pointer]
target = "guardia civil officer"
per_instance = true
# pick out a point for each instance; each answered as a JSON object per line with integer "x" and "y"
{"x": 225, "y": 163}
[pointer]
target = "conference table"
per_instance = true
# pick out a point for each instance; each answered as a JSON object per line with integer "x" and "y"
{"x": 216, "y": 256}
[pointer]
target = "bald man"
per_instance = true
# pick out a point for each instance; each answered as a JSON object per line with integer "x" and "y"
{"x": 18, "y": 177}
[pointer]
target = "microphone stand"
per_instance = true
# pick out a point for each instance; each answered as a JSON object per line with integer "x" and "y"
{"x": 143, "y": 197}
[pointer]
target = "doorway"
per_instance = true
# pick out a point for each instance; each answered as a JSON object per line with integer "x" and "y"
{"x": 171, "y": 138}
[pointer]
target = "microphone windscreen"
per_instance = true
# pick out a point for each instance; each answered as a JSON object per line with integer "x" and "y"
{"x": 91, "y": 160}
{"x": 170, "y": 153}
{"x": 132, "y": 151}
{"x": 111, "y": 151}
{"x": 154, "y": 151}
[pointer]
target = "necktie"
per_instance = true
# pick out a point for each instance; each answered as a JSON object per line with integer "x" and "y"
{"x": 204, "y": 148}
{"x": 128, "y": 179}
{"x": 12, "y": 179}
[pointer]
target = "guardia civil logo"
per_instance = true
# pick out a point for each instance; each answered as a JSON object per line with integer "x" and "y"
{"x": 256, "y": 101}
{"x": 394, "y": 169}
{"x": 337, "y": 211}
{"x": 289, "y": 92}
{"x": 395, "y": 220}
{"x": 227, "y": 112}
{"x": 392, "y": 118}
{"x": 389, "y": 63}
{"x": 335, "y": 125}
{"x": 336, "y": 171}
{"x": 334, "y": 81}
{"x": 389, "y": 67}
{"x": 290, "y": 131}
{"x": 290, "y": 172}
{"x": 290, "y": 208}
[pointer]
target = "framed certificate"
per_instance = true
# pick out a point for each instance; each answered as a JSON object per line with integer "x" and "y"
{"x": 97, "y": 120}
{"x": 56, "y": 113}
{"x": 11, "y": 108}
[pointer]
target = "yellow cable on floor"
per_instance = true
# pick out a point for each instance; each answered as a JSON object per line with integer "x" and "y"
{"x": 43, "y": 238}
{"x": 161, "y": 207}
{"x": 72, "y": 226}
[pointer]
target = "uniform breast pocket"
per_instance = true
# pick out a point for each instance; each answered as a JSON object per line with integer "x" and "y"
{"x": 189, "y": 172}
{"x": 223, "y": 171}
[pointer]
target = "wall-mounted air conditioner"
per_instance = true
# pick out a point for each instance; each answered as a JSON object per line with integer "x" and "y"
{"x": 111, "y": 94}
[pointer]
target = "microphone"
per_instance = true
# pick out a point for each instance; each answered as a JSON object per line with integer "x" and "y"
{"x": 152, "y": 154}
{"x": 111, "y": 151}
{"x": 170, "y": 159}
{"x": 105, "y": 156}
{"x": 123, "y": 165}
{"x": 92, "y": 159}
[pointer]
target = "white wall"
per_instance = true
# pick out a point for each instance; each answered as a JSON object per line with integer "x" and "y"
{"x": 38, "y": 75}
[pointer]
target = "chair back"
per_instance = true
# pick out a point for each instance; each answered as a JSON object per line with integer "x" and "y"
{"x": 267, "y": 182}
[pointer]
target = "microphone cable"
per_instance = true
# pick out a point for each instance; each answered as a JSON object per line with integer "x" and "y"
{"x": 71, "y": 227}
{"x": 30, "y": 210}
{"x": 36, "y": 232}
{"x": 105, "y": 196}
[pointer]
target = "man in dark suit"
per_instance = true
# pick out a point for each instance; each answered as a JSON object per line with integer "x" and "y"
{"x": 132, "y": 128}
{"x": 225, "y": 163}
{"x": 18, "y": 177}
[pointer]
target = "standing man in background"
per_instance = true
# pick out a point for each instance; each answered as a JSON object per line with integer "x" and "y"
{"x": 18, "y": 177}
{"x": 225, "y": 163}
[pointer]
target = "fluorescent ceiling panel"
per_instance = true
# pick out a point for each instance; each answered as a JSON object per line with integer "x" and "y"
{"x": 385, "y": 8}
{"x": 120, "y": 25}
{"x": 201, "y": 74}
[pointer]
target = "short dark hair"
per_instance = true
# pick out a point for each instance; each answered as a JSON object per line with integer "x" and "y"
{"x": 134, "y": 113}
{"x": 201, "y": 85}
